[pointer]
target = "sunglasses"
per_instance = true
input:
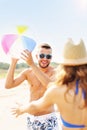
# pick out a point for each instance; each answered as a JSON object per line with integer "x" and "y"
{"x": 48, "y": 56}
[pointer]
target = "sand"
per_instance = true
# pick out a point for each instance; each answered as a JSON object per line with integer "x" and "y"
{"x": 8, "y": 99}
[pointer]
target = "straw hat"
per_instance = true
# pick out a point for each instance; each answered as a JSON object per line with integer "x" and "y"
{"x": 74, "y": 54}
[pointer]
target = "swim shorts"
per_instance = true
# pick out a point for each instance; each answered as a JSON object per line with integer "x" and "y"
{"x": 44, "y": 122}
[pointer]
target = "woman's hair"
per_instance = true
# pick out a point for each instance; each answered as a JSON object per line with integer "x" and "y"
{"x": 69, "y": 74}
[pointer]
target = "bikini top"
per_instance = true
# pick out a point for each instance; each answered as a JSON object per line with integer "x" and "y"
{"x": 67, "y": 124}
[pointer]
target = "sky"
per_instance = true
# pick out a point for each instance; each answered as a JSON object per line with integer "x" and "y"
{"x": 50, "y": 21}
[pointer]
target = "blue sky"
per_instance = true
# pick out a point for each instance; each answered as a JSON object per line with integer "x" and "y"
{"x": 51, "y": 21}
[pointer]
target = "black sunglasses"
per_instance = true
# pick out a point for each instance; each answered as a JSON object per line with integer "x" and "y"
{"x": 48, "y": 56}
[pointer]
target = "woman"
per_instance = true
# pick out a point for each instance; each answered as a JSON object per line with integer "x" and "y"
{"x": 69, "y": 92}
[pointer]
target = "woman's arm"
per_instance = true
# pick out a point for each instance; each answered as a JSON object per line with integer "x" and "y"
{"x": 36, "y": 106}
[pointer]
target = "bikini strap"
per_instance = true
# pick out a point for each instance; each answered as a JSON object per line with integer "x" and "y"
{"x": 77, "y": 89}
{"x": 83, "y": 94}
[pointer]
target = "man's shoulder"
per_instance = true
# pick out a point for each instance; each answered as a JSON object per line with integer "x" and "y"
{"x": 28, "y": 70}
{"x": 53, "y": 68}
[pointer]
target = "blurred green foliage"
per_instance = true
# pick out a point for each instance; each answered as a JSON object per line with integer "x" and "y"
{"x": 19, "y": 67}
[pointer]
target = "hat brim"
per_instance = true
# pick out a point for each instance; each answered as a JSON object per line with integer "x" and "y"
{"x": 73, "y": 62}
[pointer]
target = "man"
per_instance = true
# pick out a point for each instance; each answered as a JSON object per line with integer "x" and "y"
{"x": 45, "y": 120}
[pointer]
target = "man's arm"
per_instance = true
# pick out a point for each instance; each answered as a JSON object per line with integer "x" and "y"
{"x": 10, "y": 80}
{"x": 44, "y": 78}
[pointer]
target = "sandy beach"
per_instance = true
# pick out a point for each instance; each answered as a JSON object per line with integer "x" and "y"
{"x": 8, "y": 99}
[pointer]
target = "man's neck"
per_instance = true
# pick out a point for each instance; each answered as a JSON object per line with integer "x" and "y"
{"x": 44, "y": 69}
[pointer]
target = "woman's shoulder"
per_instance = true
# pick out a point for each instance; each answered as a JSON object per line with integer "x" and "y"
{"x": 53, "y": 85}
